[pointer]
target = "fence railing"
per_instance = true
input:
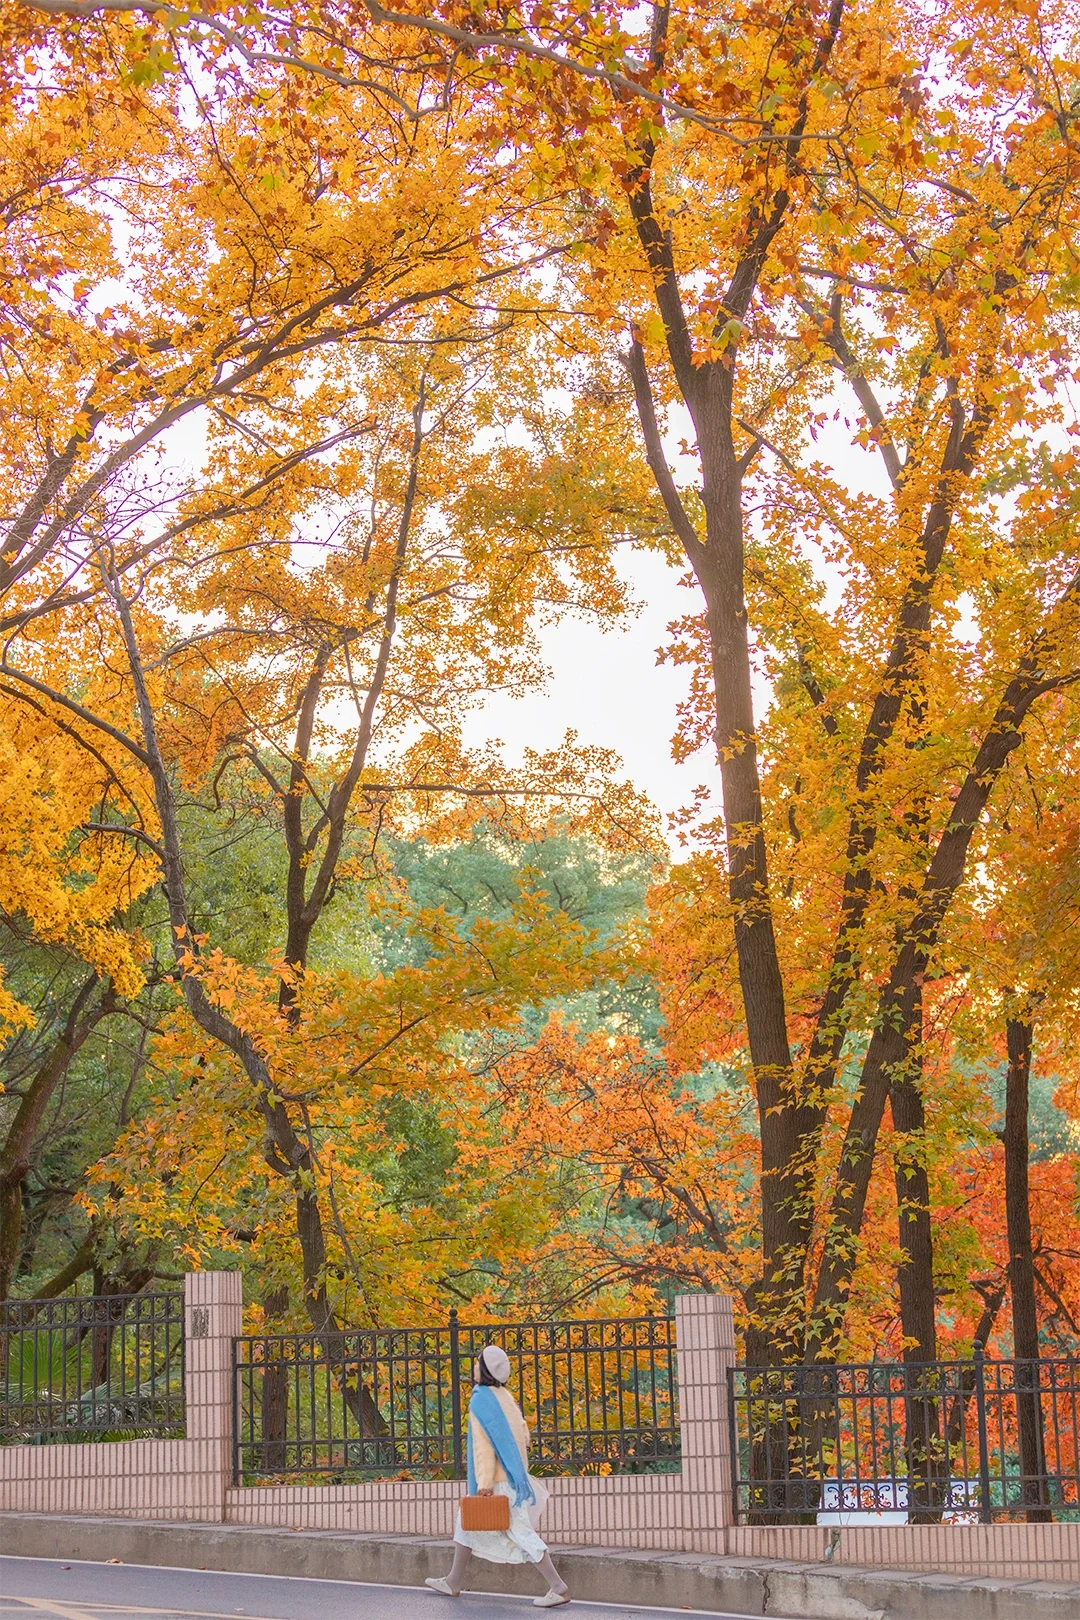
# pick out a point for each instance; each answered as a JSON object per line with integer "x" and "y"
{"x": 599, "y": 1397}
{"x": 89, "y": 1368}
{"x": 956, "y": 1441}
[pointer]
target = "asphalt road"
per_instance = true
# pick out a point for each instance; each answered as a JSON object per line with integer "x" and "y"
{"x": 47, "y": 1589}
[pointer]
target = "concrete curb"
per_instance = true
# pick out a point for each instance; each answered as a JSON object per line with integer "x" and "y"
{"x": 602, "y": 1575}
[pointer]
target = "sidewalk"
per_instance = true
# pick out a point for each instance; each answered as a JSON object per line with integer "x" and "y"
{"x": 669, "y": 1580}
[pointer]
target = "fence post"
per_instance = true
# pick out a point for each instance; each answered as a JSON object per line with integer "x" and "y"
{"x": 455, "y": 1391}
{"x": 213, "y": 1318}
{"x": 705, "y": 1344}
{"x": 979, "y": 1358}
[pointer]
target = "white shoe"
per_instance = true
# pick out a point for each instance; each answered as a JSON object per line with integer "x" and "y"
{"x": 438, "y": 1584}
{"x": 551, "y": 1600}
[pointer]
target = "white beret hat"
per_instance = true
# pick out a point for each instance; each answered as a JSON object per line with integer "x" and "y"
{"x": 497, "y": 1362}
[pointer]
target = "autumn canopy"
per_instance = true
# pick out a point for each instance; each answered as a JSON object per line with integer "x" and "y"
{"x": 343, "y": 352}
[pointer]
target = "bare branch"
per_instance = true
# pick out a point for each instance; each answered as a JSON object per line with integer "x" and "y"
{"x": 72, "y": 707}
{"x": 634, "y": 361}
{"x": 130, "y": 832}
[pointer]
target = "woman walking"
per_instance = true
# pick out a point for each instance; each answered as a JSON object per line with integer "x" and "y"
{"x": 498, "y": 1448}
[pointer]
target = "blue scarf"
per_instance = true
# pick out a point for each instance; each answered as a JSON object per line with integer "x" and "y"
{"x": 485, "y": 1408}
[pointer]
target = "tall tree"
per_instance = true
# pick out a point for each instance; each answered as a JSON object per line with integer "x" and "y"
{"x": 330, "y": 327}
{"x": 811, "y": 197}
{"x": 764, "y": 199}
{"x": 333, "y": 694}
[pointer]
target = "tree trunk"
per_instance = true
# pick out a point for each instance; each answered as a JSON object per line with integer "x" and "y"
{"x": 785, "y": 1206}
{"x": 101, "y": 1335}
{"x": 914, "y": 944}
{"x": 15, "y": 1155}
{"x": 355, "y": 1394}
{"x": 1029, "y": 1415}
{"x": 11, "y": 1196}
{"x": 80, "y": 1263}
{"x": 274, "y": 1402}
{"x": 112, "y": 1290}
{"x": 916, "y": 1276}
{"x": 916, "y": 1279}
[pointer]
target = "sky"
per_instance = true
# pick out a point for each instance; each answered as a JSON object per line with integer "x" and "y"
{"x": 606, "y": 686}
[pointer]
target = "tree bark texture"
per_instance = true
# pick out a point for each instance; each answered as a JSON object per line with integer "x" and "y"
{"x": 16, "y": 1154}
{"x": 916, "y": 1277}
{"x": 1025, "y": 1319}
{"x": 918, "y": 1320}
{"x": 274, "y": 1394}
{"x": 785, "y": 1209}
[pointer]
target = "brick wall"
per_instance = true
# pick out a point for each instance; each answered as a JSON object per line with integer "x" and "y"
{"x": 689, "y": 1511}
{"x": 149, "y": 1479}
{"x": 192, "y": 1478}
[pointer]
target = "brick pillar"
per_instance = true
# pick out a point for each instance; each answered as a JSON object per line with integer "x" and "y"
{"x": 212, "y": 1320}
{"x": 705, "y": 1340}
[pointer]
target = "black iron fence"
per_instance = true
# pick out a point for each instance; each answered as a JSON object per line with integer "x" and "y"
{"x": 89, "y": 1368}
{"x": 599, "y": 1397}
{"x": 959, "y": 1441}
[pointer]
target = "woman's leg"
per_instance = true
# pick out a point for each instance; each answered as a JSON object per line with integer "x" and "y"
{"x": 458, "y": 1567}
{"x": 551, "y": 1574}
{"x": 450, "y": 1583}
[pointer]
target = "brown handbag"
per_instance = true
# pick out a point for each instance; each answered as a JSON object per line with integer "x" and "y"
{"x": 485, "y": 1513}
